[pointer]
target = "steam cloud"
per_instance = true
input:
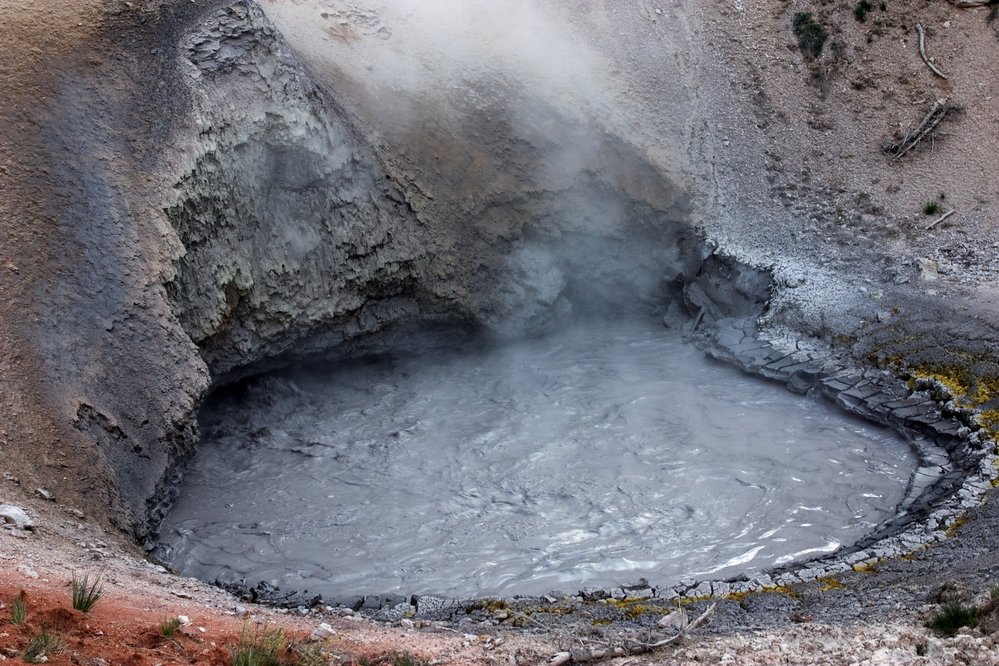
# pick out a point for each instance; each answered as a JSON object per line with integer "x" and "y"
{"x": 512, "y": 101}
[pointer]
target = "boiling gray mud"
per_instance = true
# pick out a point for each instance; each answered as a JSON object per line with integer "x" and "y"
{"x": 591, "y": 457}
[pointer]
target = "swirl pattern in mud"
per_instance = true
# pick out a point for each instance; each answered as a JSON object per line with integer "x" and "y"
{"x": 592, "y": 457}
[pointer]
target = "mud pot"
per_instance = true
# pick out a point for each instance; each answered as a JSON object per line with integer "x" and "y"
{"x": 589, "y": 457}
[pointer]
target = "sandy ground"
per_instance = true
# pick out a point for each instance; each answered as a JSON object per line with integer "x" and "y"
{"x": 816, "y": 130}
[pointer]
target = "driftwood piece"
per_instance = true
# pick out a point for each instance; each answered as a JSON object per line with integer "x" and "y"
{"x": 628, "y": 649}
{"x": 940, "y": 219}
{"x": 922, "y": 52}
{"x": 967, "y": 4}
{"x": 940, "y": 110}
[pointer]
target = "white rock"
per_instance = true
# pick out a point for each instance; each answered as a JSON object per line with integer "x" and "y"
{"x": 184, "y": 620}
{"x": 928, "y": 269}
{"x": 27, "y": 571}
{"x": 15, "y": 517}
{"x": 322, "y": 632}
{"x": 406, "y": 623}
{"x": 675, "y": 620}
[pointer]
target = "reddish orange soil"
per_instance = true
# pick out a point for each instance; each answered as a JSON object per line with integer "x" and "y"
{"x": 127, "y": 630}
{"x": 117, "y": 630}
{"x": 124, "y": 628}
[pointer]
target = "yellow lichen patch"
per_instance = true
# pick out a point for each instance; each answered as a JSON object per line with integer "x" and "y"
{"x": 633, "y": 608}
{"x": 954, "y": 385}
{"x": 953, "y": 528}
{"x": 989, "y": 420}
{"x": 868, "y": 566}
{"x": 970, "y": 393}
{"x": 786, "y": 590}
{"x": 490, "y": 605}
{"x": 830, "y": 583}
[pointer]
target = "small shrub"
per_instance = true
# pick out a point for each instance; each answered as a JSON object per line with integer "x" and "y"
{"x": 262, "y": 648}
{"x": 42, "y": 645}
{"x": 810, "y": 33}
{"x": 942, "y": 196}
{"x": 952, "y": 617}
{"x": 86, "y": 593}
{"x": 169, "y": 627}
{"x": 931, "y": 208}
{"x": 883, "y": 6}
{"x": 18, "y": 611}
{"x": 861, "y": 10}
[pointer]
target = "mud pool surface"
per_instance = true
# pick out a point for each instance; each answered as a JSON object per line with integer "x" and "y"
{"x": 592, "y": 457}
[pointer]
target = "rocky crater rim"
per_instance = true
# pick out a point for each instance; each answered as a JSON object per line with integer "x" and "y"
{"x": 297, "y": 239}
{"x": 720, "y": 308}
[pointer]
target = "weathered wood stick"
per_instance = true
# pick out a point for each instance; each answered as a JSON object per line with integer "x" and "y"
{"x": 922, "y": 52}
{"x": 929, "y": 123}
{"x": 940, "y": 219}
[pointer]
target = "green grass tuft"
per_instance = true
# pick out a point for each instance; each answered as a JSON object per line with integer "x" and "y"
{"x": 169, "y": 627}
{"x": 18, "y": 611}
{"x": 931, "y": 207}
{"x": 308, "y": 655}
{"x": 259, "y": 648}
{"x": 42, "y": 645}
{"x": 86, "y": 593}
{"x": 861, "y": 10}
{"x": 810, "y": 33}
{"x": 952, "y": 617}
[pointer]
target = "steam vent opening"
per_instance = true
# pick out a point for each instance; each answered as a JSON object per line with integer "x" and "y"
{"x": 452, "y": 345}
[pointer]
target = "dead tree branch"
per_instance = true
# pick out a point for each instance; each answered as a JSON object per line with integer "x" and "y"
{"x": 940, "y": 110}
{"x": 628, "y": 649}
{"x": 922, "y": 52}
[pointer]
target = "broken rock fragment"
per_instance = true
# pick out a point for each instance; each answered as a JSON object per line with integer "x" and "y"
{"x": 14, "y": 517}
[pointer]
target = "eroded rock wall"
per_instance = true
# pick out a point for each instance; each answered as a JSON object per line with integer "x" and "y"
{"x": 293, "y": 237}
{"x": 301, "y": 237}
